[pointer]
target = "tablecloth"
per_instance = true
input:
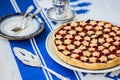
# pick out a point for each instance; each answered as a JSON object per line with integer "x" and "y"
{"x": 85, "y": 9}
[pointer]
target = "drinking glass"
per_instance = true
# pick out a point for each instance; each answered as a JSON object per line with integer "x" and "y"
{"x": 61, "y": 8}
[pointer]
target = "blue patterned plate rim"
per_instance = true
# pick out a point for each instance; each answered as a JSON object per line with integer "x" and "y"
{"x": 33, "y": 34}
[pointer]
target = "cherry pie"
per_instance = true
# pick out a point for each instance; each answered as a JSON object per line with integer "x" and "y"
{"x": 91, "y": 44}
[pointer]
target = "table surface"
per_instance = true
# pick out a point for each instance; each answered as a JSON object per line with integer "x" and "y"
{"x": 13, "y": 69}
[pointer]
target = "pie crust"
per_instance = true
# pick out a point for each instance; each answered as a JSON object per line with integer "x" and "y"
{"x": 91, "y": 44}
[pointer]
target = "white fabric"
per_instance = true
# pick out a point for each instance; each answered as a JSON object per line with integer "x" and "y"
{"x": 108, "y": 10}
{"x": 8, "y": 66}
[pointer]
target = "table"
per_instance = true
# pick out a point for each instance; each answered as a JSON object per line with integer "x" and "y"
{"x": 13, "y": 69}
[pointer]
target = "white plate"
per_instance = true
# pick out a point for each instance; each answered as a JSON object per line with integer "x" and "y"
{"x": 59, "y": 61}
{"x": 7, "y": 23}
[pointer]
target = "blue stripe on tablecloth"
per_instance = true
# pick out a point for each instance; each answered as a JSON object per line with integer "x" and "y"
{"x": 6, "y": 9}
{"x": 32, "y": 73}
{"x": 27, "y": 72}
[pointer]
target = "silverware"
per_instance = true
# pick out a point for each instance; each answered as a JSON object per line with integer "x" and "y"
{"x": 32, "y": 60}
{"x": 18, "y": 26}
{"x": 30, "y": 17}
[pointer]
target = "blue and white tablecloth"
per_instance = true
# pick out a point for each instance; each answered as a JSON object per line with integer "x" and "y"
{"x": 85, "y": 9}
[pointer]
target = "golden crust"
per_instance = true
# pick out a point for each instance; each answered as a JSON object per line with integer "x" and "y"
{"x": 91, "y": 66}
